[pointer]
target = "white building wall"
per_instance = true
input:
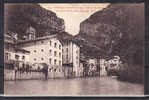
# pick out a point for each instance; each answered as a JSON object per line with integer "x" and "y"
{"x": 40, "y": 51}
{"x": 80, "y": 69}
{"x": 69, "y": 53}
{"x": 73, "y": 55}
{"x": 92, "y": 64}
{"x": 92, "y": 61}
{"x": 21, "y": 56}
{"x": 12, "y": 56}
{"x": 76, "y": 58}
{"x": 103, "y": 71}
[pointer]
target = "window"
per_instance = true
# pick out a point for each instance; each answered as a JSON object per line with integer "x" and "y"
{"x": 67, "y": 61}
{"x": 23, "y": 57}
{"x": 23, "y": 52}
{"x": 41, "y": 50}
{"x": 67, "y": 43}
{"x": 66, "y": 49}
{"x": 50, "y": 43}
{"x": 34, "y": 50}
{"x": 41, "y": 58}
{"x": 34, "y": 59}
{"x": 50, "y": 70}
{"x": 76, "y": 51}
{"x": 59, "y": 62}
{"x": 76, "y": 57}
{"x": 66, "y": 56}
{"x": 60, "y": 47}
{"x": 55, "y": 61}
{"x": 17, "y": 57}
{"x": 55, "y": 53}
{"x": 34, "y": 42}
{"x": 6, "y": 56}
{"x": 42, "y": 41}
{"x": 50, "y": 60}
{"x": 59, "y": 54}
{"x": 62, "y": 56}
{"x": 55, "y": 45}
{"x": 50, "y": 52}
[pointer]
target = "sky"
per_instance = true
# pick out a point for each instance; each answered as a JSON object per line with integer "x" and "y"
{"x": 74, "y": 14}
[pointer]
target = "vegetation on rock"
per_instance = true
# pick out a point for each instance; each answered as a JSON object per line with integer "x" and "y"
{"x": 19, "y": 17}
{"x": 117, "y": 30}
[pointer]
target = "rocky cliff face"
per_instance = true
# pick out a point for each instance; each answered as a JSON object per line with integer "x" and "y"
{"x": 116, "y": 30}
{"x": 18, "y": 17}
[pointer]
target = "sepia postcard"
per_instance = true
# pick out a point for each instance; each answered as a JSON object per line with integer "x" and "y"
{"x": 74, "y": 49}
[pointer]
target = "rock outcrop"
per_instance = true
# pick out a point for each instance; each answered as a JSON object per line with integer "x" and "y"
{"x": 116, "y": 30}
{"x": 18, "y": 17}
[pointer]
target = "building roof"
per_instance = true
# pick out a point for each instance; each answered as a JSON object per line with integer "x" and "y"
{"x": 36, "y": 39}
{"x": 73, "y": 41}
{"x": 8, "y": 39}
{"x": 22, "y": 50}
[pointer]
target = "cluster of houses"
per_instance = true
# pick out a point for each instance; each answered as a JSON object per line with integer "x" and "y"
{"x": 60, "y": 56}
{"x": 31, "y": 51}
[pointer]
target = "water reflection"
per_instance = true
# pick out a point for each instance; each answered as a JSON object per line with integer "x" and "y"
{"x": 77, "y": 86}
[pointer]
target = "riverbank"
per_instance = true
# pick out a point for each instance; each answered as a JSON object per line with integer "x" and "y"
{"x": 10, "y": 75}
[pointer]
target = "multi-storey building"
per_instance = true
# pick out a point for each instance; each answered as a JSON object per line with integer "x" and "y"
{"x": 13, "y": 54}
{"x": 47, "y": 49}
{"x": 93, "y": 66}
{"x": 71, "y": 57}
{"x": 103, "y": 71}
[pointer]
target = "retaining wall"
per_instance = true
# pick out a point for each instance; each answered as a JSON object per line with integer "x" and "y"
{"x": 10, "y": 75}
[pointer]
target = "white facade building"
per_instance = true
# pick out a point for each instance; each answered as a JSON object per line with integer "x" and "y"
{"x": 103, "y": 71}
{"x": 12, "y": 53}
{"x": 47, "y": 49}
{"x": 71, "y": 56}
{"x": 92, "y": 64}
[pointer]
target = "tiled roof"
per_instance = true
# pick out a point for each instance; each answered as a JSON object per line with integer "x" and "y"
{"x": 36, "y": 39}
{"x": 22, "y": 50}
{"x": 8, "y": 39}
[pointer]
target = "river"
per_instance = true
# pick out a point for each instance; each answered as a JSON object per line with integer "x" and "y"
{"x": 93, "y": 86}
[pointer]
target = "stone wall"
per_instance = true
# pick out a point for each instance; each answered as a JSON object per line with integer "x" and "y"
{"x": 52, "y": 75}
{"x": 29, "y": 75}
{"x": 10, "y": 75}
